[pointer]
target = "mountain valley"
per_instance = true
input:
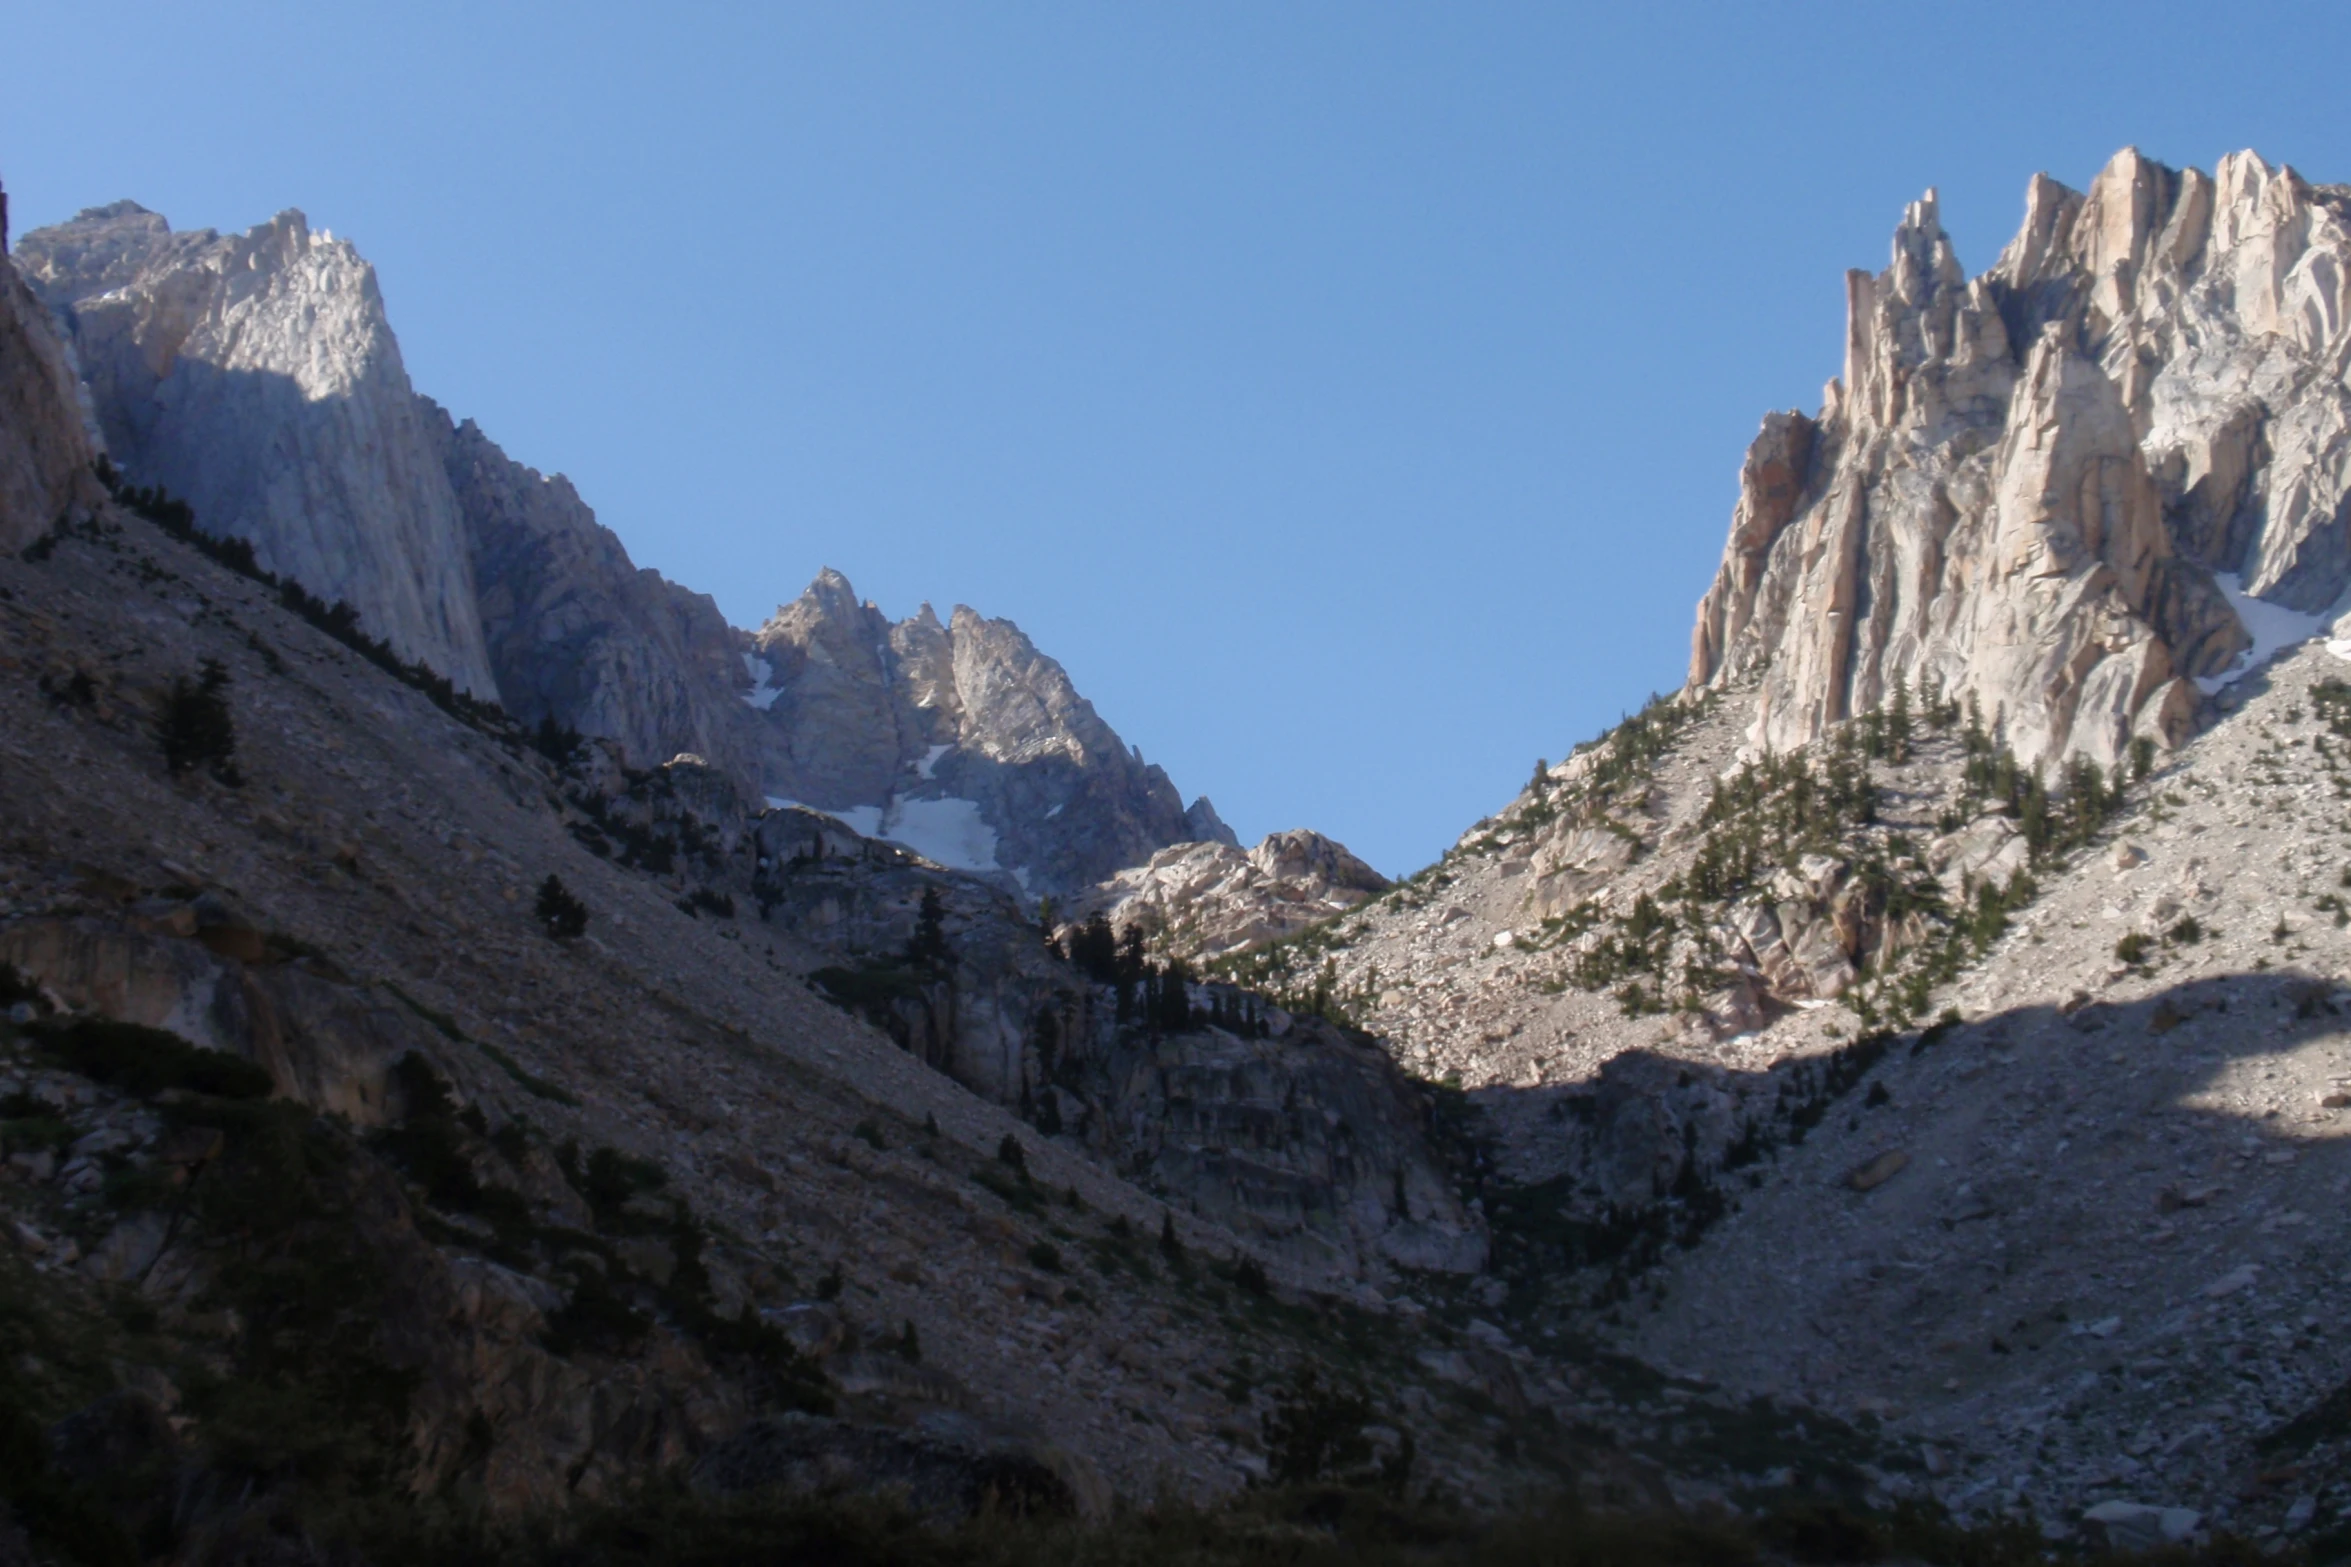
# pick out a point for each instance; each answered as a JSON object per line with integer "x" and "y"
{"x": 489, "y": 1043}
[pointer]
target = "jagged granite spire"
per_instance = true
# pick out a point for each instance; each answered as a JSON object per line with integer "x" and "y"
{"x": 2024, "y": 484}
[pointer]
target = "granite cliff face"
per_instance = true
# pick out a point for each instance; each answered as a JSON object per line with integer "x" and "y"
{"x": 44, "y": 453}
{"x": 256, "y": 376}
{"x": 578, "y": 633}
{"x": 2042, "y": 486}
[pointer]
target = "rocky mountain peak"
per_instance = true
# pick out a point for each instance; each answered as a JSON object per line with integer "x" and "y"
{"x": 2068, "y": 487}
{"x": 961, "y": 741}
{"x": 256, "y": 377}
{"x": 44, "y": 452}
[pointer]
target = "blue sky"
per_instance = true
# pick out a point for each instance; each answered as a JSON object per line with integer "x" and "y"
{"x": 1350, "y": 395}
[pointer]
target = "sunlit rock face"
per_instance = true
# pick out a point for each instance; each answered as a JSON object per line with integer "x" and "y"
{"x": 254, "y": 375}
{"x": 2025, "y": 485}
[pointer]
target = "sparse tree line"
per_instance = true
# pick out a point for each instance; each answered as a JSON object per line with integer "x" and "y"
{"x": 1769, "y": 815}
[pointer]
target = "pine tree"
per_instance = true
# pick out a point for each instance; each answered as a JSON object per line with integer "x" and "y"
{"x": 564, "y": 915}
{"x": 196, "y": 729}
{"x": 928, "y": 948}
{"x": 1094, "y": 950}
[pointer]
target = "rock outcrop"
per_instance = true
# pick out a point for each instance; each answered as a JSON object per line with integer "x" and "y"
{"x": 578, "y": 633}
{"x": 2024, "y": 485}
{"x": 256, "y": 377}
{"x": 1203, "y": 900}
{"x": 44, "y": 455}
{"x": 1283, "y": 1128}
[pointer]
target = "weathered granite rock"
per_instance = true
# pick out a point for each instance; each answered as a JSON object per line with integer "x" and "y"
{"x": 44, "y": 455}
{"x": 579, "y": 634}
{"x": 959, "y": 740}
{"x": 1298, "y": 1135}
{"x": 255, "y": 377}
{"x": 2023, "y": 485}
{"x": 1208, "y": 899}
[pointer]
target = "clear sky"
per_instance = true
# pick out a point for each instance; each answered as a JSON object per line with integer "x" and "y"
{"x": 1350, "y": 395}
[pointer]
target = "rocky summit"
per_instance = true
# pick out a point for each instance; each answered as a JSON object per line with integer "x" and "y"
{"x": 2047, "y": 485}
{"x": 255, "y": 378}
{"x": 497, "y": 1063}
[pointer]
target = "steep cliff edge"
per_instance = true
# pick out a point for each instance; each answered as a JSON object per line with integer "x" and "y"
{"x": 2042, "y": 488}
{"x": 580, "y": 635}
{"x": 44, "y": 454}
{"x": 256, "y": 377}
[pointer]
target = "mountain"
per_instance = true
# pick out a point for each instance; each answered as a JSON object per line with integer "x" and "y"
{"x": 1883, "y": 1102}
{"x": 961, "y": 741}
{"x": 257, "y": 378}
{"x": 2045, "y": 486}
{"x": 1928, "y": 1015}
{"x": 408, "y": 1133}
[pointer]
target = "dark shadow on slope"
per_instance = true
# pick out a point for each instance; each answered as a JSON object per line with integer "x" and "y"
{"x": 2105, "y": 1128}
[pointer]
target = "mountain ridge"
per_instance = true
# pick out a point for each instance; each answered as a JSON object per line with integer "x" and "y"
{"x": 257, "y": 377}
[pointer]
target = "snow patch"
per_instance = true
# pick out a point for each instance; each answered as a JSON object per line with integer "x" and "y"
{"x": 863, "y": 820}
{"x": 762, "y": 695}
{"x": 930, "y": 760}
{"x": 2273, "y": 628}
{"x": 949, "y": 831}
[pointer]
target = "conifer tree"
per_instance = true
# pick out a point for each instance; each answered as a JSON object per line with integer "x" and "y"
{"x": 564, "y": 915}
{"x": 928, "y": 948}
{"x": 196, "y": 729}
